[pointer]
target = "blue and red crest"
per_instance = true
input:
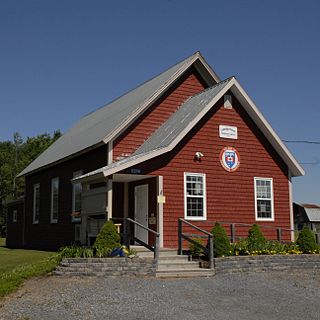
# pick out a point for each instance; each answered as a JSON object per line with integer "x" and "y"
{"x": 229, "y": 159}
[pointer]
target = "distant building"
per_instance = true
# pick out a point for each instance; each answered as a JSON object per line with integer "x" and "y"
{"x": 182, "y": 145}
{"x": 307, "y": 214}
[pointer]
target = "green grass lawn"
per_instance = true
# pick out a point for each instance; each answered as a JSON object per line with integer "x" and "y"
{"x": 17, "y": 265}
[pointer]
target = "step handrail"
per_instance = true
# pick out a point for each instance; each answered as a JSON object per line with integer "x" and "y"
{"x": 127, "y": 236}
{"x": 187, "y": 237}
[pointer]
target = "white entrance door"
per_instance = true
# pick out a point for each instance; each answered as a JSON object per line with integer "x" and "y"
{"x": 141, "y": 211}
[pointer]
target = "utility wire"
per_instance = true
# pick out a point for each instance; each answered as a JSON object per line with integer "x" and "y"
{"x": 301, "y": 141}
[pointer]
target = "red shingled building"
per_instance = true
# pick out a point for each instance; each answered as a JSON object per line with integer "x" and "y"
{"x": 182, "y": 145}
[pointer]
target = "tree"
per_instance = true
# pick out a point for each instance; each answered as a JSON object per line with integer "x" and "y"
{"x": 14, "y": 157}
{"x": 307, "y": 241}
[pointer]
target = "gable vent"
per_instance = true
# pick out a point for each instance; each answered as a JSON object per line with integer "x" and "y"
{"x": 227, "y": 101}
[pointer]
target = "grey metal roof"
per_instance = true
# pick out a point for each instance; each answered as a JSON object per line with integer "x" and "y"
{"x": 313, "y": 214}
{"x": 177, "y": 123}
{"x": 93, "y": 128}
{"x": 167, "y": 133}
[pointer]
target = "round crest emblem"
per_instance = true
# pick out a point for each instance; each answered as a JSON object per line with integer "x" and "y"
{"x": 230, "y": 159}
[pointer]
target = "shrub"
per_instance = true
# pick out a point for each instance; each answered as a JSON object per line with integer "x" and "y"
{"x": 221, "y": 244}
{"x": 307, "y": 241}
{"x": 75, "y": 252}
{"x": 256, "y": 240}
{"x": 108, "y": 238}
{"x": 196, "y": 250}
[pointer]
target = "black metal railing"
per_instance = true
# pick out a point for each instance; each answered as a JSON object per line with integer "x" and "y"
{"x": 233, "y": 229}
{"x": 188, "y": 237}
{"x": 128, "y": 235}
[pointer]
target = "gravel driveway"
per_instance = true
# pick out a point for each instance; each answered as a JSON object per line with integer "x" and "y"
{"x": 237, "y": 296}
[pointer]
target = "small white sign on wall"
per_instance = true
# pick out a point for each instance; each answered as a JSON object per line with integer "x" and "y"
{"x": 228, "y": 132}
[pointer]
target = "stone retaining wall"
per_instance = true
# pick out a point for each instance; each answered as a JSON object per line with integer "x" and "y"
{"x": 147, "y": 267}
{"x": 107, "y": 267}
{"x": 267, "y": 263}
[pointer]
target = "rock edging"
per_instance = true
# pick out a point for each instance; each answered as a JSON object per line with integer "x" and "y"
{"x": 106, "y": 267}
{"x": 267, "y": 263}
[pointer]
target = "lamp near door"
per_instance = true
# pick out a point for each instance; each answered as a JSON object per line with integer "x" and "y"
{"x": 198, "y": 155}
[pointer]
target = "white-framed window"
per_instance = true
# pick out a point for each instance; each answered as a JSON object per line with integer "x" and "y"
{"x": 76, "y": 197}
{"x": 14, "y": 215}
{"x": 54, "y": 200}
{"x": 195, "y": 196}
{"x": 263, "y": 193}
{"x": 36, "y": 203}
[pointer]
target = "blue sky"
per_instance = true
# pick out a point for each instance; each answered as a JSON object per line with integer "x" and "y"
{"x": 61, "y": 59}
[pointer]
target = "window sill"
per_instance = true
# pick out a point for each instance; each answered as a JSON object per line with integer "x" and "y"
{"x": 195, "y": 218}
{"x": 265, "y": 219}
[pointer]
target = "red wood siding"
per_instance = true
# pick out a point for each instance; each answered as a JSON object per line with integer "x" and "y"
{"x": 230, "y": 196}
{"x": 157, "y": 114}
{"x": 52, "y": 236}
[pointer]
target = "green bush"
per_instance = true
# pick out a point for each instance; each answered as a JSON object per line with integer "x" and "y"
{"x": 221, "y": 244}
{"x": 108, "y": 238}
{"x": 196, "y": 250}
{"x": 307, "y": 241}
{"x": 256, "y": 240}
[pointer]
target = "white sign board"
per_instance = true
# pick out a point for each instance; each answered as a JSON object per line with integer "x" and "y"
{"x": 228, "y": 132}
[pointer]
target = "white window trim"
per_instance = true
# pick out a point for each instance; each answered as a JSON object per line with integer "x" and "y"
{"x": 255, "y": 199}
{"x": 75, "y": 175}
{"x": 14, "y": 216}
{"x": 35, "y": 186}
{"x": 52, "y": 220}
{"x": 204, "y": 217}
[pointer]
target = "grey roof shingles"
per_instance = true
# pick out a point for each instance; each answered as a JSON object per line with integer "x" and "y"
{"x": 93, "y": 128}
{"x": 170, "y": 130}
{"x": 177, "y": 123}
{"x": 313, "y": 214}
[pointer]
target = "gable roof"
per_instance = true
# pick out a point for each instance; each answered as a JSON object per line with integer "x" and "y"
{"x": 104, "y": 124}
{"x": 312, "y": 211}
{"x": 167, "y": 136}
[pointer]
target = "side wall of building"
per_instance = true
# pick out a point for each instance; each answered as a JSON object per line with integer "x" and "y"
{"x": 229, "y": 195}
{"x": 53, "y": 235}
{"x": 15, "y": 224}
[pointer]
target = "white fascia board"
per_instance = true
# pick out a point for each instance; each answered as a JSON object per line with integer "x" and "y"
{"x": 249, "y": 106}
{"x": 135, "y": 161}
{"x": 88, "y": 177}
{"x": 266, "y": 129}
{"x": 125, "y": 124}
{"x": 152, "y": 154}
{"x": 208, "y": 68}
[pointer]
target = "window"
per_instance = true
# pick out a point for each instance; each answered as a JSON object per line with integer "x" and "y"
{"x": 14, "y": 216}
{"x": 54, "y": 200}
{"x": 195, "y": 196}
{"x": 264, "y": 198}
{"x": 36, "y": 203}
{"x": 76, "y": 197}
